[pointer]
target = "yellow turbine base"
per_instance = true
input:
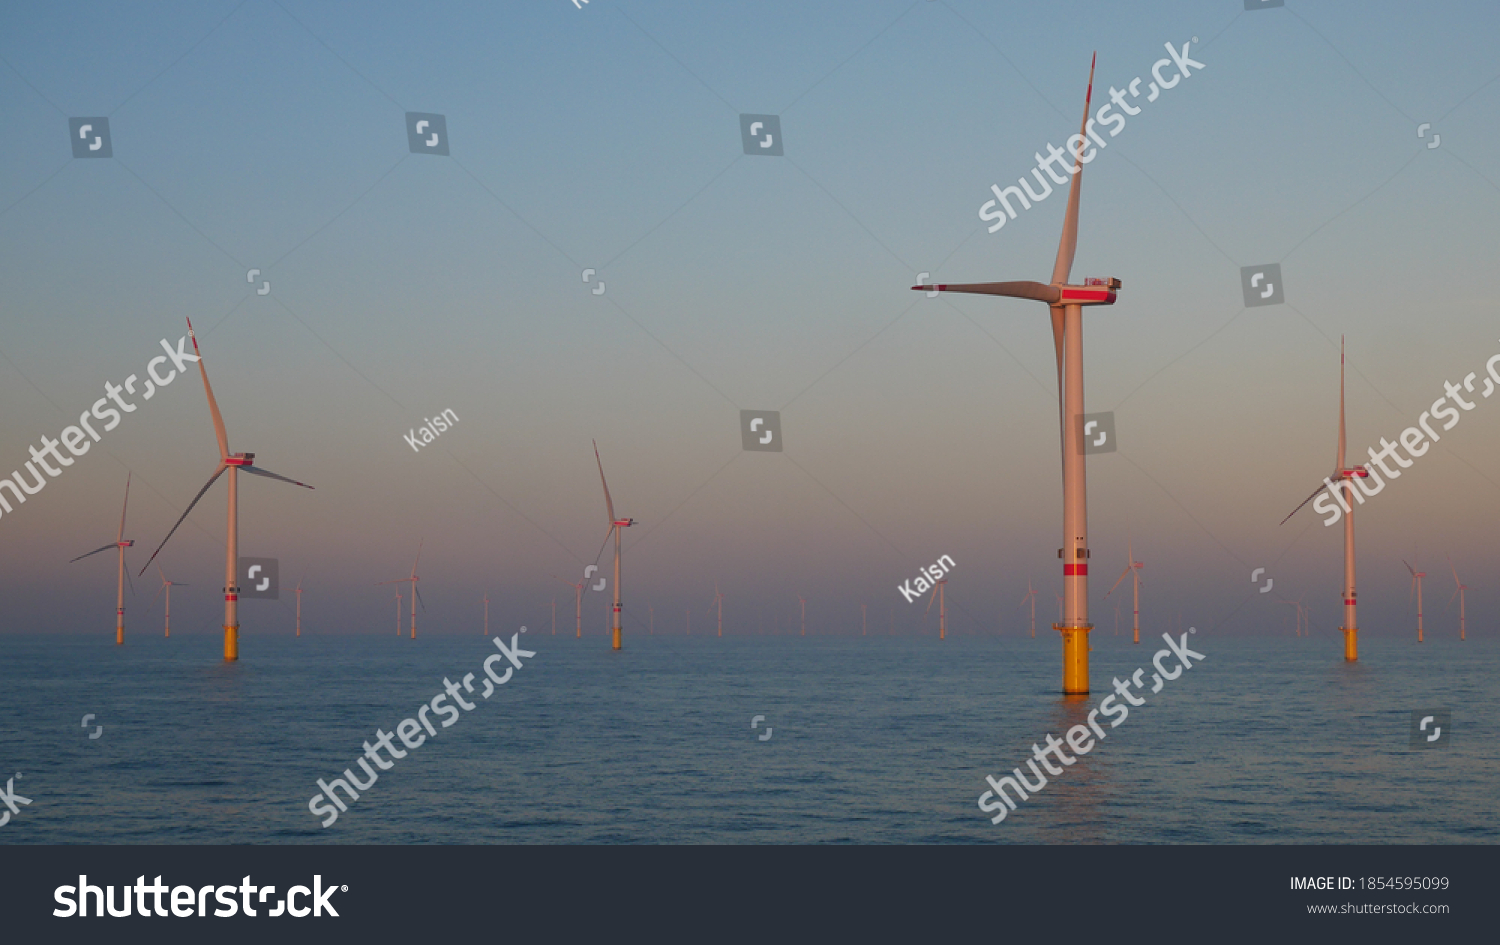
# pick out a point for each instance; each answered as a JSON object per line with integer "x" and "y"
{"x": 617, "y": 638}
{"x": 231, "y": 643}
{"x": 1351, "y": 643}
{"x": 1075, "y": 658}
{"x": 119, "y": 635}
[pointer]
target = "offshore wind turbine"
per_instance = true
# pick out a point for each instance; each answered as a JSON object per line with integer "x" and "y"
{"x": 487, "y": 614}
{"x": 299, "y": 606}
{"x": 1065, "y": 303}
{"x": 1345, "y": 477}
{"x": 864, "y": 621}
{"x": 1301, "y": 612}
{"x": 1416, "y": 588}
{"x": 398, "y": 612}
{"x": 233, "y": 462}
{"x": 577, "y": 604}
{"x": 120, "y": 544}
{"x": 803, "y": 601}
{"x": 1134, "y": 570}
{"x": 415, "y": 594}
{"x": 166, "y": 586}
{"x": 1031, "y": 596}
{"x": 614, "y": 529}
{"x": 1459, "y": 593}
{"x": 937, "y": 592}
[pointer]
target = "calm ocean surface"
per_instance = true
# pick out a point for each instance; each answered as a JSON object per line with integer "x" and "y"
{"x": 875, "y": 740}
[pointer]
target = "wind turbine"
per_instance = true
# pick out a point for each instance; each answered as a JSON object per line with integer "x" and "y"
{"x": 299, "y": 606}
{"x": 803, "y": 601}
{"x": 651, "y": 611}
{"x": 1031, "y": 596}
{"x": 1459, "y": 593}
{"x": 614, "y": 529}
{"x": 719, "y": 599}
{"x": 1134, "y": 570}
{"x": 166, "y": 586}
{"x": 415, "y": 594}
{"x": 864, "y": 622}
{"x": 120, "y": 544}
{"x": 1065, "y": 303}
{"x": 1345, "y": 477}
{"x": 487, "y": 614}
{"x": 938, "y": 594}
{"x": 1416, "y": 588}
{"x": 233, "y": 462}
{"x": 1301, "y": 612}
{"x": 577, "y": 604}
{"x": 398, "y": 611}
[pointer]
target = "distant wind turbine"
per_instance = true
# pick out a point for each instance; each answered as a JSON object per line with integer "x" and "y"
{"x": 1416, "y": 589}
{"x": 614, "y": 529}
{"x": 1134, "y": 570}
{"x": 299, "y": 606}
{"x": 938, "y": 594}
{"x": 803, "y": 601}
{"x": 416, "y": 595}
{"x": 864, "y": 622}
{"x": 166, "y": 586}
{"x": 1065, "y": 303}
{"x": 1345, "y": 477}
{"x": 487, "y": 614}
{"x": 719, "y": 599}
{"x": 1459, "y": 593}
{"x": 398, "y": 613}
{"x": 233, "y": 462}
{"x": 577, "y": 604}
{"x": 1300, "y": 610}
{"x": 1031, "y": 596}
{"x": 119, "y": 544}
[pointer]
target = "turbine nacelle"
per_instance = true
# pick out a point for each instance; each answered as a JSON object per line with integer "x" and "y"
{"x": 1093, "y": 291}
{"x": 239, "y": 459}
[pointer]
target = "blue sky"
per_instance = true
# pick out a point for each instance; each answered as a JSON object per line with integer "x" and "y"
{"x": 272, "y": 136}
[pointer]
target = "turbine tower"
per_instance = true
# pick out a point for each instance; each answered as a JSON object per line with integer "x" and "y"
{"x": 1416, "y": 588}
{"x": 1134, "y": 570}
{"x": 415, "y": 594}
{"x": 487, "y": 614}
{"x": 803, "y": 601}
{"x": 1345, "y": 477}
{"x": 299, "y": 607}
{"x": 1066, "y": 302}
{"x": 1459, "y": 593}
{"x": 233, "y": 462}
{"x": 398, "y": 612}
{"x": 120, "y": 544}
{"x": 1031, "y": 596}
{"x": 864, "y": 622}
{"x": 166, "y": 586}
{"x": 938, "y": 594}
{"x": 577, "y": 604}
{"x": 614, "y": 529}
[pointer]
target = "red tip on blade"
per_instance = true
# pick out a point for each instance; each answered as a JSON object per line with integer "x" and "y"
{"x": 929, "y": 288}
{"x": 192, "y": 336}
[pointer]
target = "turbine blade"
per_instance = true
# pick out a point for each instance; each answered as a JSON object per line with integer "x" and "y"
{"x": 1015, "y": 290}
{"x": 609, "y": 505}
{"x": 419, "y": 598}
{"x": 1068, "y": 245}
{"x": 95, "y": 551}
{"x": 930, "y": 600}
{"x": 1304, "y": 502}
{"x": 257, "y": 471}
{"x": 1341, "y": 406}
{"x": 1117, "y": 583}
{"x": 128, "y": 579}
{"x": 123, "y": 508}
{"x": 1411, "y": 569}
{"x": 217, "y": 473}
{"x": 213, "y": 405}
{"x": 414, "y": 561}
{"x": 1455, "y": 570}
{"x": 158, "y": 594}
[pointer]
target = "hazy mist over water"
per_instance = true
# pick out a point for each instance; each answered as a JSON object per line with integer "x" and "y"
{"x": 873, "y": 740}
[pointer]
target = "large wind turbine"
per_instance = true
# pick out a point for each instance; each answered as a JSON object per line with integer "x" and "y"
{"x": 614, "y": 529}
{"x": 1345, "y": 477}
{"x": 938, "y": 593}
{"x": 233, "y": 462}
{"x": 1459, "y": 593}
{"x": 1416, "y": 588}
{"x": 1066, "y": 303}
{"x": 120, "y": 544}
{"x": 1031, "y": 596}
{"x": 166, "y": 586}
{"x": 1134, "y": 570}
{"x": 415, "y": 595}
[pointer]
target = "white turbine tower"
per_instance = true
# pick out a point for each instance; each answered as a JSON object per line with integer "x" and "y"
{"x": 1134, "y": 570}
{"x": 416, "y": 595}
{"x": 1031, "y": 593}
{"x": 1459, "y": 593}
{"x": 166, "y": 586}
{"x": 1065, "y": 303}
{"x": 1416, "y": 589}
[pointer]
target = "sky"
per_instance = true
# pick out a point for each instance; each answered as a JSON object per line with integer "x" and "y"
{"x": 1349, "y": 143}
